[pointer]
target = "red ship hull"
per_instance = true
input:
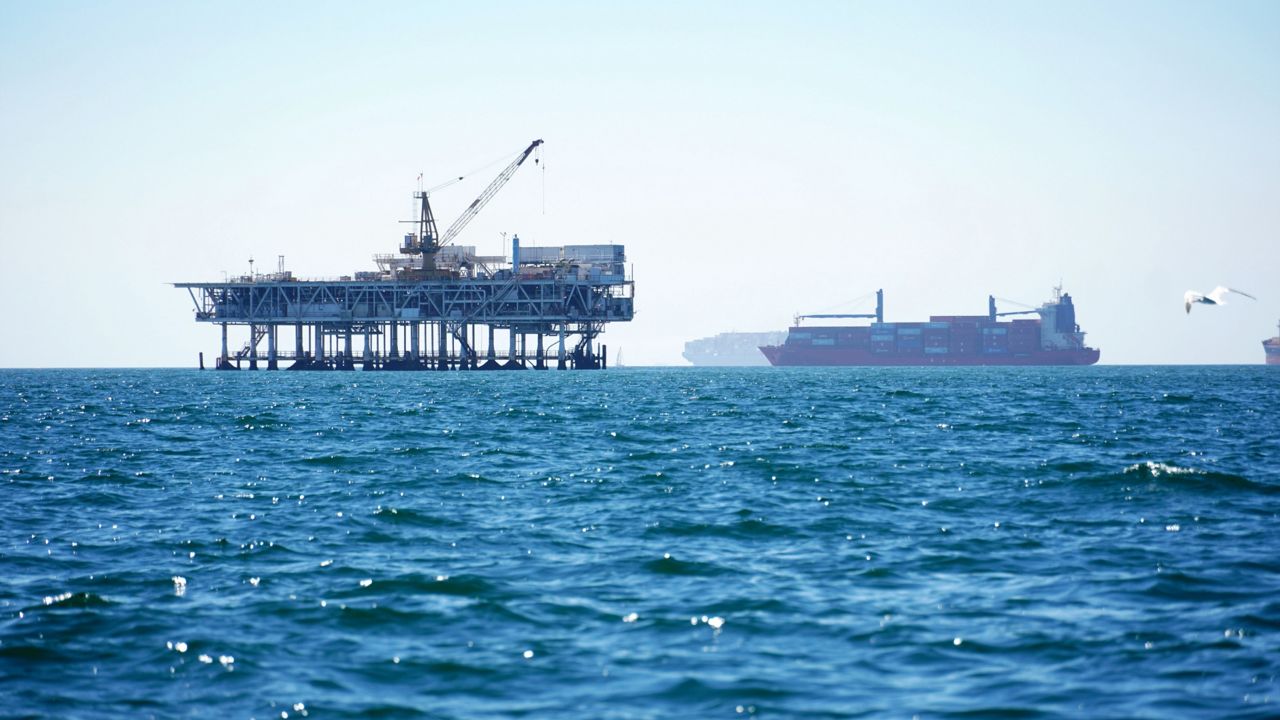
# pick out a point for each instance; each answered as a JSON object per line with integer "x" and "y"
{"x": 1272, "y": 347}
{"x": 782, "y": 355}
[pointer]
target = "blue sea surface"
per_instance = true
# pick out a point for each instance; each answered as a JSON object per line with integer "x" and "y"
{"x": 641, "y": 543}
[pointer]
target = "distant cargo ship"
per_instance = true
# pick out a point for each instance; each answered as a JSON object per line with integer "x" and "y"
{"x": 1053, "y": 338}
{"x": 734, "y": 348}
{"x": 1272, "y": 348}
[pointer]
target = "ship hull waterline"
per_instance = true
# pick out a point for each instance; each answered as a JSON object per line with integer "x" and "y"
{"x": 781, "y": 356}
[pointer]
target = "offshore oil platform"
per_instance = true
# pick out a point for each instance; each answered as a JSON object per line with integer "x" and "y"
{"x": 432, "y": 306}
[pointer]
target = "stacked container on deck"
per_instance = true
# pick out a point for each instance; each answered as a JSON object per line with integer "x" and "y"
{"x": 1024, "y": 337}
{"x": 937, "y": 336}
{"x": 882, "y": 337}
{"x": 963, "y": 337}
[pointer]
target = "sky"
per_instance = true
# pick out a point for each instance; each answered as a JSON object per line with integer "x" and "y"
{"x": 758, "y": 160}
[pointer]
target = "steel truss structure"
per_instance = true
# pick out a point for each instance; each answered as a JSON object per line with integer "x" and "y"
{"x": 434, "y": 324}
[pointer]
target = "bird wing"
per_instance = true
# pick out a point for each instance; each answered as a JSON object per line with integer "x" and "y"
{"x": 1220, "y": 292}
{"x": 1191, "y": 296}
{"x": 1188, "y": 307}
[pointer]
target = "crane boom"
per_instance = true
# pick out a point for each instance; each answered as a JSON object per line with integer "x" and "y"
{"x": 486, "y": 196}
{"x": 992, "y": 314}
{"x": 878, "y": 315}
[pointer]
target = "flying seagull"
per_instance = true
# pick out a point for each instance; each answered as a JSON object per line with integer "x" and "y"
{"x": 1213, "y": 298}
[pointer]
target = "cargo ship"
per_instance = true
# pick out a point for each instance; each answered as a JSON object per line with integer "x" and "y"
{"x": 1052, "y": 338}
{"x": 731, "y": 348}
{"x": 1272, "y": 348}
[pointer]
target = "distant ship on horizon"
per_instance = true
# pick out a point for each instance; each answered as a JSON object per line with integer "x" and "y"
{"x": 1053, "y": 338}
{"x": 1271, "y": 347}
{"x": 731, "y": 348}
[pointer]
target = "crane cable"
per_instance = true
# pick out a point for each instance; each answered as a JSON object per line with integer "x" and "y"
{"x": 1015, "y": 302}
{"x": 854, "y": 303}
{"x": 465, "y": 175}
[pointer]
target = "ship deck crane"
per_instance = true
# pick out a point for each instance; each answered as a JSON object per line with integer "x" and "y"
{"x": 428, "y": 242}
{"x": 991, "y": 309}
{"x": 878, "y": 314}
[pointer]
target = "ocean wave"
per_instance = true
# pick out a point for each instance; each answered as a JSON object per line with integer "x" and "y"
{"x": 415, "y": 518}
{"x": 743, "y": 529}
{"x": 1174, "y": 475}
{"x": 668, "y": 565}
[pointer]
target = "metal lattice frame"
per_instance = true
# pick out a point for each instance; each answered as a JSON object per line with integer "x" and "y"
{"x": 559, "y": 307}
{"x": 490, "y": 302}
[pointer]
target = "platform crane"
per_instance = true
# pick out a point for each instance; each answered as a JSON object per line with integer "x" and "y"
{"x": 428, "y": 242}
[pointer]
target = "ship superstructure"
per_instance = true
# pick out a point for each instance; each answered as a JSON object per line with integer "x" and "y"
{"x": 1271, "y": 347}
{"x": 434, "y": 306}
{"x": 1052, "y": 338}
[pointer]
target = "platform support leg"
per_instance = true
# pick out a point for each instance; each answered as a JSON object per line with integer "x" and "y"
{"x": 442, "y": 349}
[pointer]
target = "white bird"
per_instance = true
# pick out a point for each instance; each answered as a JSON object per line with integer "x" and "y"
{"x": 1216, "y": 297}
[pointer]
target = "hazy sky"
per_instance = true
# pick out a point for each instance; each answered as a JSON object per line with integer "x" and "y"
{"x": 757, "y": 159}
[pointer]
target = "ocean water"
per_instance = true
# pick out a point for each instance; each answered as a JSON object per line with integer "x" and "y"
{"x": 941, "y": 543}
